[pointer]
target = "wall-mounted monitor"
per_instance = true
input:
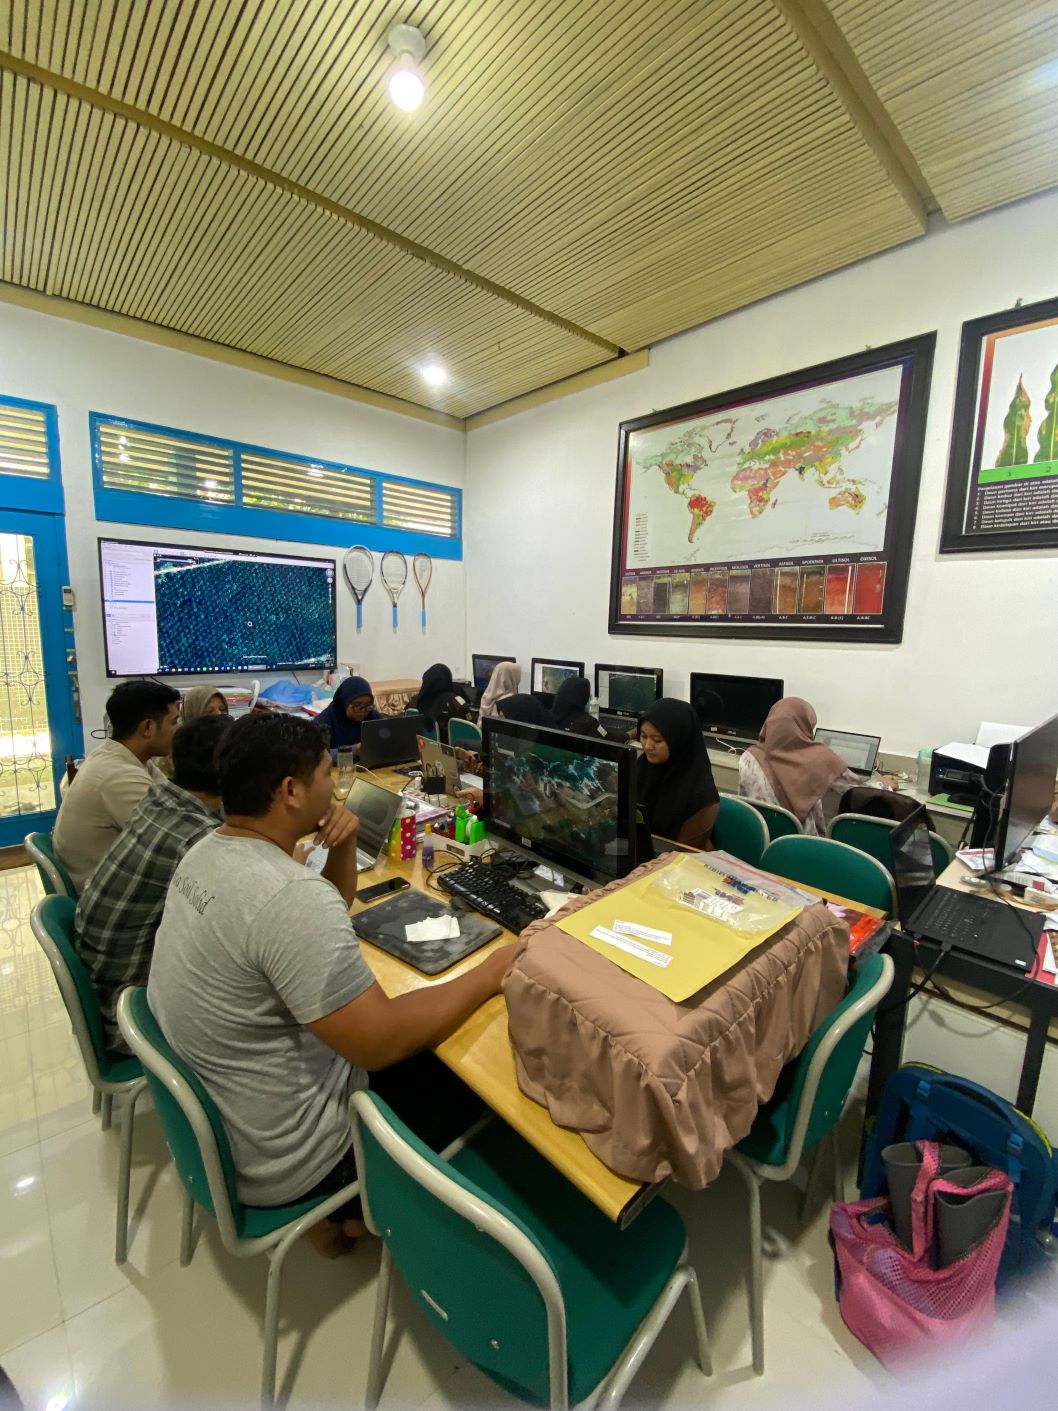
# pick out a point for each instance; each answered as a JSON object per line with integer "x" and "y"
{"x": 173, "y": 610}
{"x": 628, "y": 690}
{"x": 734, "y": 705}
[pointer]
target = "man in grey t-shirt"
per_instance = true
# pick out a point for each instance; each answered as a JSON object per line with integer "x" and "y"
{"x": 257, "y": 978}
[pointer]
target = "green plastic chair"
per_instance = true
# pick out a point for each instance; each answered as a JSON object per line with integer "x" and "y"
{"x": 198, "y": 1143}
{"x": 513, "y": 1266}
{"x": 781, "y": 823}
{"x": 740, "y": 830}
{"x": 54, "y": 877}
{"x": 833, "y": 867}
{"x": 804, "y": 1112}
{"x": 428, "y": 732}
{"x": 872, "y": 835}
{"x": 51, "y": 922}
{"x": 464, "y": 732}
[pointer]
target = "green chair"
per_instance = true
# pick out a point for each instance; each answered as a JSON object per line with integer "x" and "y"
{"x": 429, "y": 732}
{"x": 833, "y": 867}
{"x": 872, "y": 835}
{"x": 804, "y": 1112}
{"x": 54, "y": 877}
{"x": 464, "y": 732}
{"x": 781, "y": 822}
{"x": 513, "y": 1266}
{"x": 198, "y": 1143}
{"x": 740, "y": 830}
{"x": 52, "y": 924}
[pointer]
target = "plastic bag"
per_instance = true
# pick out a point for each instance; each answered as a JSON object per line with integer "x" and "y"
{"x": 726, "y": 890}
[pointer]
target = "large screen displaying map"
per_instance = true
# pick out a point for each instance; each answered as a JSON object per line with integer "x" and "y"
{"x": 783, "y": 509}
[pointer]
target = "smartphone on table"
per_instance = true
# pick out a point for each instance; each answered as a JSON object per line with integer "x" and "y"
{"x": 383, "y": 889}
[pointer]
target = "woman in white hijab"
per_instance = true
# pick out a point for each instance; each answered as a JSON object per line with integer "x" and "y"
{"x": 505, "y": 680}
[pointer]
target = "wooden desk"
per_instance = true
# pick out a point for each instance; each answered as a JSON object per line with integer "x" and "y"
{"x": 480, "y": 1053}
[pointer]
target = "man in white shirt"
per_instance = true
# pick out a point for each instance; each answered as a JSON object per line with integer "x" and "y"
{"x": 114, "y": 778}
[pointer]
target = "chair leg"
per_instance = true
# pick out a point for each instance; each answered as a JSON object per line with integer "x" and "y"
{"x": 701, "y": 1332}
{"x": 271, "y": 1325}
{"x": 121, "y": 1235}
{"x": 97, "y": 1101}
{"x": 108, "y": 1110}
{"x": 812, "y": 1179}
{"x": 187, "y": 1231}
{"x": 378, "y": 1332}
{"x": 839, "y": 1170}
{"x": 756, "y": 1266}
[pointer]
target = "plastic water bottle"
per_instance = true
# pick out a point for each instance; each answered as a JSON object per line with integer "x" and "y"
{"x": 593, "y": 707}
{"x": 427, "y": 847}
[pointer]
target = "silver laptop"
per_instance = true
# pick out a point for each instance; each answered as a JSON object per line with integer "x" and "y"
{"x": 377, "y": 810}
{"x": 858, "y": 751}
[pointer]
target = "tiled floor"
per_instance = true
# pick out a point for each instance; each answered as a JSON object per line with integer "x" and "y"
{"x": 76, "y": 1331}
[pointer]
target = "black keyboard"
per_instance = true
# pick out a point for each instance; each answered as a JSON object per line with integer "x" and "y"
{"x": 480, "y": 885}
{"x": 948, "y": 917}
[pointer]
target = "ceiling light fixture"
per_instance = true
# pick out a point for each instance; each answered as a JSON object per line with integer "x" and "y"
{"x": 434, "y": 374}
{"x": 406, "y": 84}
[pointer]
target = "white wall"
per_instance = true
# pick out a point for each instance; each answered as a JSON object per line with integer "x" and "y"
{"x": 978, "y": 632}
{"x": 83, "y": 369}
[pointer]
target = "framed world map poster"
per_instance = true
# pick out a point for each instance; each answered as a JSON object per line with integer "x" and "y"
{"x": 1003, "y": 470}
{"x": 782, "y": 510}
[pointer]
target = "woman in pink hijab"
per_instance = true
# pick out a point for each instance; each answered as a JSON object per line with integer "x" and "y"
{"x": 789, "y": 768}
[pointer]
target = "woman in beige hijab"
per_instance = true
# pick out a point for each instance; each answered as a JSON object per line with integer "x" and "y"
{"x": 789, "y": 768}
{"x": 505, "y": 681}
{"x": 202, "y": 700}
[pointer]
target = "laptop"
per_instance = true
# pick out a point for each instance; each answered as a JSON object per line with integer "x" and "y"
{"x": 391, "y": 740}
{"x": 858, "y": 751}
{"x": 440, "y": 760}
{"x": 377, "y": 810}
{"x": 986, "y": 929}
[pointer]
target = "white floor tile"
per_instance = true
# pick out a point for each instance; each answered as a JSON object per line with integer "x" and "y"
{"x": 40, "y": 1371}
{"x": 62, "y": 1091}
{"x": 30, "y": 1304}
{"x": 18, "y": 1108}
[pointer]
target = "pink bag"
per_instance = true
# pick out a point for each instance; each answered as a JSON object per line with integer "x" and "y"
{"x": 892, "y": 1298}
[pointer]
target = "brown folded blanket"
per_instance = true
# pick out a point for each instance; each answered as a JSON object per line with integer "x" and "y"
{"x": 657, "y": 1088}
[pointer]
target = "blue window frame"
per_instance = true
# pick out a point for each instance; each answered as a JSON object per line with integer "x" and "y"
{"x": 30, "y": 474}
{"x": 147, "y": 474}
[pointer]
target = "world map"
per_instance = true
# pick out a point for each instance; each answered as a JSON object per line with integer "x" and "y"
{"x": 801, "y": 473}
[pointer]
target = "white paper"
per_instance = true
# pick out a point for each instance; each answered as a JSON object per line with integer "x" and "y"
{"x": 991, "y": 733}
{"x": 977, "y": 859}
{"x": 653, "y": 957}
{"x": 433, "y": 928}
{"x": 969, "y": 754}
{"x": 642, "y": 933}
{"x": 554, "y": 900}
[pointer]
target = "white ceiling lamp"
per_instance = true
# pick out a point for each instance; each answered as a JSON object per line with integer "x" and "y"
{"x": 406, "y": 84}
{"x": 434, "y": 374}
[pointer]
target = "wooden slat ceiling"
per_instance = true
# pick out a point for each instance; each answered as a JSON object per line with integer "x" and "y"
{"x": 585, "y": 176}
{"x": 972, "y": 86}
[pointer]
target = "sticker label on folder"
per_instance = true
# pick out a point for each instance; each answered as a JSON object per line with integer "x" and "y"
{"x": 652, "y": 957}
{"x": 642, "y": 933}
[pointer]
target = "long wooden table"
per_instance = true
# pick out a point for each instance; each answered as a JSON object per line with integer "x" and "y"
{"x": 480, "y": 1053}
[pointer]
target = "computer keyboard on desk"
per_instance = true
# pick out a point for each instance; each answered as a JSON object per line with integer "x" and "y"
{"x": 478, "y": 884}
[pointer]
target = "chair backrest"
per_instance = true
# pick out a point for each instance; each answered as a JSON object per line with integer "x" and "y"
{"x": 194, "y": 1130}
{"x": 54, "y": 877}
{"x": 740, "y": 830}
{"x": 828, "y": 1063}
{"x": 877, "y": 803}
{"x": 833, "y": 867}
{"x": 874, "y": 836}
{"x": 463, "y": 732}
{"x": 474, "y": 1269}
{"x": 780, "y": 822}
{"x": 51, "y": 922}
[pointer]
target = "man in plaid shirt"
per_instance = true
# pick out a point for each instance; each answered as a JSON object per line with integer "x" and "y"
{"x": 121, "y": 906}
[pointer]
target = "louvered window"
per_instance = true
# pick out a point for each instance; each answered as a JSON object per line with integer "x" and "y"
{"x": 299, "y": 487}
{"x": 419, "y": 508}
{"x": 159, "y": 463}
{"x": 24, "y": 440}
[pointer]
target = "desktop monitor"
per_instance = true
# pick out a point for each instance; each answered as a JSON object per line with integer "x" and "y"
{"x": 172, "y": 609}
{"x": 627, "y": 690}
{"x": 1030, "y": 789}
{"x": 548, "y": 676}
{"x": 483, "y": 667}
{"x": 734, "y": 705}
{"x": 568, "y": 799}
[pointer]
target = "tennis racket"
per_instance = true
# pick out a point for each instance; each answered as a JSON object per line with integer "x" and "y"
{"x": 358, "y": 569}
{"x": 394, "y": 577}
{"x": 422, "y": 567}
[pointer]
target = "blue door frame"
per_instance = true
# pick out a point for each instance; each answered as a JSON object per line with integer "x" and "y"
{"x": 48, "y": 532}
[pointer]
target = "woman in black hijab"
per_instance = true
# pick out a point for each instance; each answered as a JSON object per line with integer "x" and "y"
{"x": 674, "y": 779}
{"x": 570, "y": 708}
{"x": 438, "y": 700}
{"x": 526, "y": 710}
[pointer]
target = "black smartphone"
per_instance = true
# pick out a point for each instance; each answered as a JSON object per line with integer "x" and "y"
{"x": 382, "y": 889}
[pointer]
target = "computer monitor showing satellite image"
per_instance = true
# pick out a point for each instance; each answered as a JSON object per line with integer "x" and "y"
{"x": 176, "y": 610}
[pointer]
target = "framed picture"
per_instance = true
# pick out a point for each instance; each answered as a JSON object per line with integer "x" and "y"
{"x": 781, "y": 510}
{"x": 1003, "y": 471}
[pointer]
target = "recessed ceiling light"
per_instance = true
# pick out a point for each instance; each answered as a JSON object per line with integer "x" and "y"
{"x": 434, "y": 374}
{"x": 406, "y": 84}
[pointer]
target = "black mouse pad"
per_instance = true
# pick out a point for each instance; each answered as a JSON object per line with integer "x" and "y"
{"x": 383, "y": 925}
